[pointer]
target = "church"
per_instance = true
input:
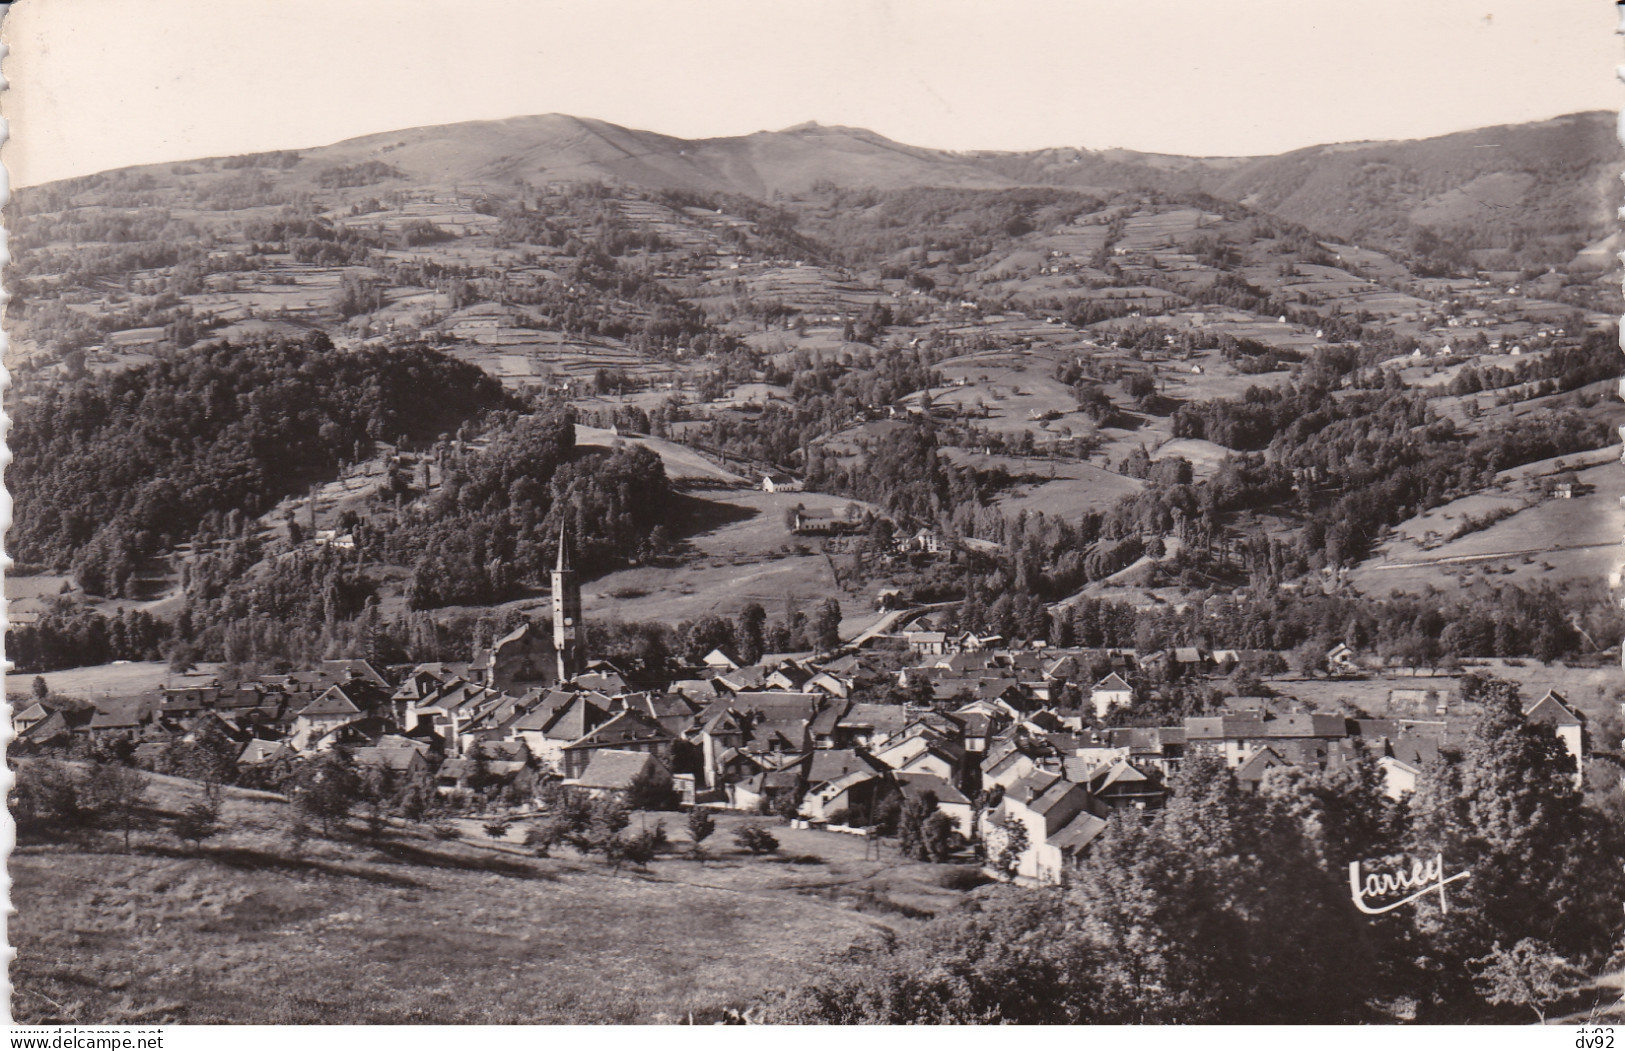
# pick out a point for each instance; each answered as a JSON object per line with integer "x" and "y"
{"x": 525, "y": 658}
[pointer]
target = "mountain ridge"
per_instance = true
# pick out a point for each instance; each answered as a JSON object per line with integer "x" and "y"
{"x": 1541, "y": 189}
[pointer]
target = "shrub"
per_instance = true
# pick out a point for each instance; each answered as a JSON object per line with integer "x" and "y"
{"x": 961, "y": 877}
{"x": 544, "y": 836}
{"x": 700, "y": 825}
{"x": 646, "y": 845}
{"x": 446, "y": 830}
{"x": 756, "y": 839}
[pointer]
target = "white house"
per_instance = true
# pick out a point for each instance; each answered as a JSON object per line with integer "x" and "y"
{"x": 779, "y": 483}
{"x": 930, "y": 643}
{"x": 1553, "y": 710}
{"x": 1055, "y": 816}
{"x": 1111, "y": 692}
{"x": 329, "y": 711}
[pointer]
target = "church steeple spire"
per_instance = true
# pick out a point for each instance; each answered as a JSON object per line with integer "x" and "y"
{"x": 567, "y": 613}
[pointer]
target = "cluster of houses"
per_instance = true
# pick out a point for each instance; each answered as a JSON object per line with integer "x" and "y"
{"x": 995, "y": 737}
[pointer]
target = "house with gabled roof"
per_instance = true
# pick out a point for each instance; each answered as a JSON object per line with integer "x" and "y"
{"x": 824, "y": 729}
{"x": 1250, "y": 774}
{"x": 1402, "y": 765}
{"x": 720, "y": 659}
{"x": 557, "y": 719}
{"x": 1305, "y": 724}
{"x": 787, "y": 676}
{"x": 1045, "y": 805}
{"x": 402, "y": 763}
{"x": 674, "y": 712}
{"x": 720, "y": 732}
{"x": 944, "y": 759}
{"x": 450, "y": 710}
{"x": 626, "y": 730}
{"x": 1121, "y": 785}
{"x": 331, "y": 709}
{"x": 356, "y": 668}
{"x": 869, "y": 725}
{"x": 1567, "y": 723}
{"x": 1161, "y": 748}
{"x": 614, "y": 773}
{"x": 1012, "y": 759}
{"x": 606, "y": 681}
{"x": 125, "y": 717}
{"x": 1111, "y": 692}
{"x": 53, "y": 730}
{"x": 950, "y": 801}
{"x": 856, "y": 791}
{"x": 930, "y": 643}
{"x": 1231, "y": 737}
{"x": 21, "y": 721}
{"x": 828, "y": 682}
{"x": 1189, "y": 660}
{"x": 743, "y": 680}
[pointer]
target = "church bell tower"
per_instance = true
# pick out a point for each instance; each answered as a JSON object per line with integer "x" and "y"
{"x": 567, "y": 614}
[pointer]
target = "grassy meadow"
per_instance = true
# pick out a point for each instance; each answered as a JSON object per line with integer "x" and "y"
{"x": 407, "y": 928}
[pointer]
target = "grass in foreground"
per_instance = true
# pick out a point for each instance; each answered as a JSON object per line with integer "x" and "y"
{"x": 412, "y": 930}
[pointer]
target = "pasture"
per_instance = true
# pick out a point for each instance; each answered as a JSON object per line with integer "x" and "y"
{"x": 402, "y": 927}
{"x": 1543, "y": 539}
{"x": 109, "y": 680}
{"x": 737, "y": 550}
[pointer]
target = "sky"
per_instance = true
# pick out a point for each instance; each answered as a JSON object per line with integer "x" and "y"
{"x": 99, "y": 84}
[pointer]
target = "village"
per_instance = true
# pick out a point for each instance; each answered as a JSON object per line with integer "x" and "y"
{"x": 1012, "y": 745}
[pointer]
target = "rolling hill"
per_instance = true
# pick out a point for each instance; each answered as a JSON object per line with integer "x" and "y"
{"x": 1538, "y": 192}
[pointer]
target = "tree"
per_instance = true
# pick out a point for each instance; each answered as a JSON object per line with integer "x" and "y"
{"x": 49, "y": 800}
{"x": 755, "y": 839}
{"x": 544, "y": 835}
{"x": 379, "y": 791}
{"x": 785, "y": 805}
{"x": 325, "y": 788}
{"x": 205, "y": 755}
{"x": 707, "y": 634}
{"x": 647, "y": 845}
{"x": 937, "y": 837}
{"x": 1529, "y": 973}
{"x": 750, "y": 633}
{"x": 1015, "y": 957}
{"x": 911, "y": 825}
{"x": 597, "y": 829}
{"x": 415, "y": 797}
{"x": 119, "y": 795}
{"x": 651, "y": 789}
{"x": 41, "y": 690}
{"x": 1543, "y": 865}
{"x": 826, "y": 625}
{"x": 1309, "y": 658}
{"x": 199, "y": 821}
{"x": 1218, "y": 909}
{"x": 700, "y": 826}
